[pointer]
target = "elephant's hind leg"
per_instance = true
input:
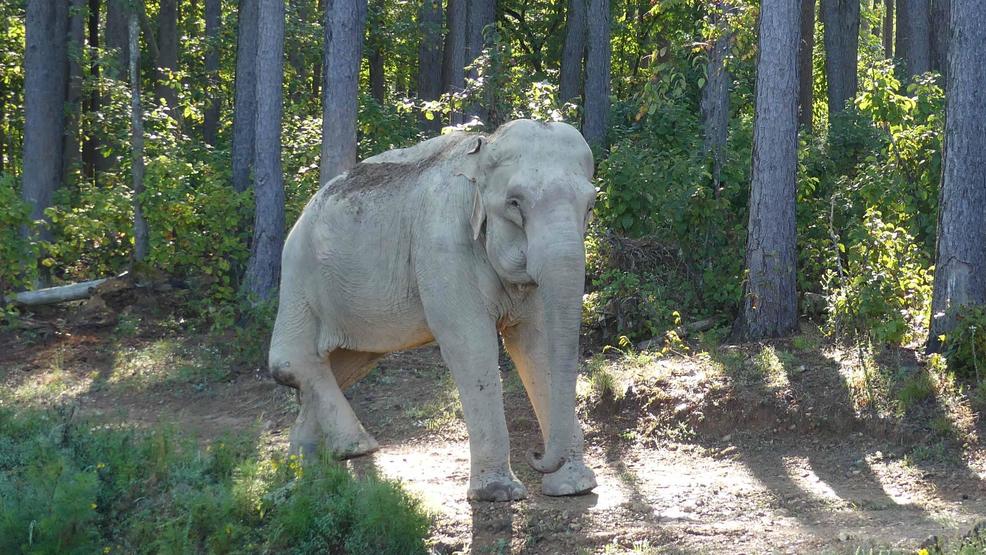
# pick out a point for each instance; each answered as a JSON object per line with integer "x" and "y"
{"x": 325, "y": 414}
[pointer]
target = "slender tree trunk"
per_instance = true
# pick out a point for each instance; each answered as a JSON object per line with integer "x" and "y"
{"x": 167, "y": 47}
{"x": 345, "y": 21}
{"x": 213, "y": 19}
{"x": 116, "y": 38}
{"x": 90, "y": 145}
{"x": 914, "y": 36}
{"x": 318, "y": 76}
{"x": 715, "y": 93}
{"x": 141, "y": 239}
{"x": 3, "y": 135}
{"x": 245, "y": 101}
{"x": 888, "y": 28}
{"x": 939, "y": 36}
{"x": 454, "y": 55}
{"x": 840, "y": 19}
{"x": 430, "y": 57}
{"x": 264, "y": 267}
{"x": 960, "y": 268}
{"x": 573, "y": 52}
{"x": 375, "y": 55}
{"x": 480, "y": 15}
{"x": 597, "y": 68}
{"x": 806, "y": 66}
{"x": 301, "y": 10}
{"x": 770, "y": 300}
{"x": 45, "y": 80}
{"x": 73, "y": 94}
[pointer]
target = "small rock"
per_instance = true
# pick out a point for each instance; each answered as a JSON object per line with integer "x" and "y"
{"x": 929, "y": 543}
{"x": 727, "y": 437}
{"x": 792, "y": 427}
{"x": 575, "y": 526}
{"x": 844, "y": 536}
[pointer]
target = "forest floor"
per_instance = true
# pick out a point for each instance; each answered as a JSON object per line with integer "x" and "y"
{"x": 745, "y": 449}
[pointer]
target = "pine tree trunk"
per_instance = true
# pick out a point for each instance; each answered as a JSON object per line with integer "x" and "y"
{"x": 597, "y": 70}
{"x": 245, "y": 101}
{"x": 715, "y": 93}
{"x": 90, "y": 146}
{"x": 840, "y": 19}
{"x": 430, "y": 58}
{"x": 914, "y": 36}
{"x": 939, "y": 36}
{"x": 345, "y": 21}
{"x": 141, "y": 239}
{"x": 167, "y": 62}
{"x": 480, "y": 15}
{"x": 454, "y": 55}
{"x": 770, "y": 299}
{"x": 806, "y": 66}
{"x": 573, "y": 52}
{"x": 375, "y": 55}
{"x": 888, "y": 28}
{"x": 45, "y": 81}
{"x": 960, "y": 268}
{"x": 116, "y": 38}
{"x": 73, "y": 93}
{"x": 213, "y": 19}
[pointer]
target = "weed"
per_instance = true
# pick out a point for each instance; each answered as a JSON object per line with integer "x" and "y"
{"x": 917, "y": 388}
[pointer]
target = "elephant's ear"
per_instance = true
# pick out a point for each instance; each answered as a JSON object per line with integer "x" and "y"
{"x": 478, "y": 214}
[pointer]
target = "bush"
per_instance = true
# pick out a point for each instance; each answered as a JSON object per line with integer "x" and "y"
{"x": 965, "y": 346}
{"x": 14, "y": 248}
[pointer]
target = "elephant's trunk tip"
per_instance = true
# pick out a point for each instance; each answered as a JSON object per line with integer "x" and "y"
{"x": 544, "y": 466}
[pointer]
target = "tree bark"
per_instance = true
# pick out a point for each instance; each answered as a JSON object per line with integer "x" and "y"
{"x": 264, "y": 267}
{"x": 116, "y": 38}
{"x": 960, "y": 268}
{"x": 141, "y": 239}
{"x": 914, "y": 36}
{"x": 45, "y": 80}
{"x": 167, "y": 61}
{"x": 90, "y": 146}
{"x": 480, "y": 15}
{"x": 715, "y": 93}
{"x": 597, "y": 70}
{"x": 454, "y": 55}
{"x": 888, "y": 28}
{"x": 345, "y": 21}
{"x": 245, "y": 95}
{"x": 73, "y": 93}
{"x": 939, "y": 36}
{"x": 375, "y": 59}
{"x": 806, "y": 66}
{"x": 430, "y": 58}
{"x": 573, "y": 52}
{"x": 213, "y": 20}
{"x": 770, "y": 299}
{"x": 840, "y": 19}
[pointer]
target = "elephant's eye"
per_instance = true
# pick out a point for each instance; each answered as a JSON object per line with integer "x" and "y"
{"x": 513, "y": 203}
{"x": 513, "y": 211}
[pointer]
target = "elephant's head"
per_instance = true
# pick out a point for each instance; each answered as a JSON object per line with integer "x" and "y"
{"x": 533, "y": 200}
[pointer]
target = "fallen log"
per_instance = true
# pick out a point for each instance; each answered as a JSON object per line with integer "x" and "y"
{"x": 73, "y": 291}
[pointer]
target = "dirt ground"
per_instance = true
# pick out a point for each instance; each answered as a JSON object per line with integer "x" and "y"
{"x": 741, "y": 480}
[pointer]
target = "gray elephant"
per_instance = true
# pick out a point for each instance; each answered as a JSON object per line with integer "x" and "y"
{"x": 452, "y": 240}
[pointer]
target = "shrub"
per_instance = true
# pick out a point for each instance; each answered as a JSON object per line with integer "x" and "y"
{"x": 965, "y": 346}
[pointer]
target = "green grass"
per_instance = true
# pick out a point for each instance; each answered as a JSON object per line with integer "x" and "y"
{"x": 72, "y": 486}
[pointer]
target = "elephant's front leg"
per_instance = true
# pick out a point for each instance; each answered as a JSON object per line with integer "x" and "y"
{"x": 469, "y": 348}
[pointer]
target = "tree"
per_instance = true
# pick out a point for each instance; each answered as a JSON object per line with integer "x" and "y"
{"x": 480, "y": 15}
{"x": 245, "y": 95}
{"x": 430, "y": 56}
{"x": 806, "y": 66}
{"x": 597, "y": 69}
{"x": 264, "y": 267}
{"x": 454, "y": 53}
{"x": 90, "y": 145}
{"x": 375, "y": 59}
{"x": 888, "y": 28}
{"x": 840, "y": 19}
{"x": 73, "y": 94}
{"x": 770, "y": 300}
{"x": 345, "y": 21}
{"x": 116, "y": 37}
{"x": 45, "y": 80}
{"x": 960, "y": 268}
{"x": 141, "y": 239}
{"x": 914, "y": 36}
{"x": 939, "y": 35}
{"x": 213, "y": 16}
{"x": 167, "y": 52}
{"x": 573, "y": 52}
{"x": 715, "y": 93}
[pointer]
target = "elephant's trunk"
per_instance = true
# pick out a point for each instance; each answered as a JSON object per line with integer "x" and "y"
{"x": 561, "y": 280}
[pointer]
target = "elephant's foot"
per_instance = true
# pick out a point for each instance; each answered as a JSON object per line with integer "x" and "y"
{"x": 497, "y": 487}
{"x": 574, "y": 478}
{"x": 353, "y": 445}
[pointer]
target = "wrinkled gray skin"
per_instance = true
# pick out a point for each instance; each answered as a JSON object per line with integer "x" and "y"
{"x": 451, "y": 240}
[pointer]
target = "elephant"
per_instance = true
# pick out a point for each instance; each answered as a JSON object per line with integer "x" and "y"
{"x": 452, "y": 241}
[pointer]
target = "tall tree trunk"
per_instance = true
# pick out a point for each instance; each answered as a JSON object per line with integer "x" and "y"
{"x": 45, "y": 80}
{"x": 245, "y": 101}
{"x": 888, "y": 28}
{"x": 939, "y": 36}
{"x": 116, "y": 38}
{"x": 480, "y": 15}
{"x": 806, "y": 66}
{"x": 301, "y": 11}
{"x": 167, "y": 48}
{"x": 597, "y": 67}
{"x": 960, "y": 268}
{"x": 770, "y": 300}
{"x": 264, "y": 267}
{"x": 73, "y": 93}
{"x": 318, "y": 75}
{"x": 345, "y": 21}
{"x": 430, "y": 57}
{"x": 375, "y": 55}
{"x": 90, "y": 145}
{"x": 914, "y": 36}
{"x": 454, "y": 55}
{"x": 213, "y": 19}
{"x": 840, "y": 19}
{"x": 715, "y": 93}
{"x": 573, "y": 52}
{"x": 141, "y": 238}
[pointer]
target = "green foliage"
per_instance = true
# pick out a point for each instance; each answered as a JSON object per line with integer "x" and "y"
{"x": 15, "y": 215}
{"x": 965, "y": 346}
{"x": 69, "y": 486}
